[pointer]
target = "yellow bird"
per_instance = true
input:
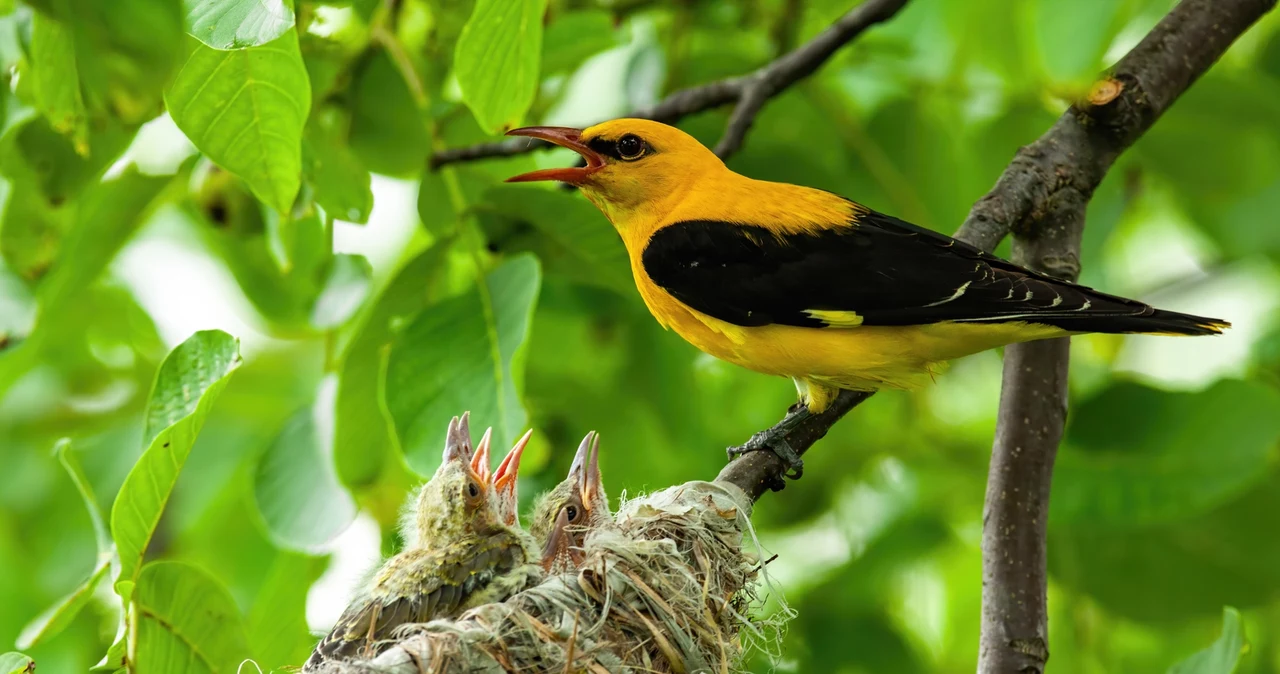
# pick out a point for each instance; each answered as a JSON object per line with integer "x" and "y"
{"x": 799, "y": 282}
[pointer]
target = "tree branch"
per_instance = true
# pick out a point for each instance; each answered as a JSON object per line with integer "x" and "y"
{"x": 751, "y": 92}
{"x": 1042, "y": 198}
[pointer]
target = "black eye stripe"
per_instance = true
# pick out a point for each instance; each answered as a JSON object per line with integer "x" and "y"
{"x": 609, "y": 148}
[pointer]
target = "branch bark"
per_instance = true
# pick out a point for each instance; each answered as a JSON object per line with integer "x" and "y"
{"x": 750, "y": 92}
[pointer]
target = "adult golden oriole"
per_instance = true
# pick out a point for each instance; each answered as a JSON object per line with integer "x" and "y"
{"x": 799, "y": 282}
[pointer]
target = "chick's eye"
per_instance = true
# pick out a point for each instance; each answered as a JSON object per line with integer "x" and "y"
{"x": 473, "y": 490}
{"x": 571, "y": 512}
{"x": 630, "y": 147}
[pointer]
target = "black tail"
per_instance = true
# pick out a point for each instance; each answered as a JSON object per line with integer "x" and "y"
{"x": 1151, "y": 321}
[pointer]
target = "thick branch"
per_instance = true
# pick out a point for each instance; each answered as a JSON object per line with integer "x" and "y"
{"x": 1042, "y": 197}
{"x": 750, "y": 91}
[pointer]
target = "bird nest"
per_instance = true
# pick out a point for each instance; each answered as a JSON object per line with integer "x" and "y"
{"x": 672, "y": 587}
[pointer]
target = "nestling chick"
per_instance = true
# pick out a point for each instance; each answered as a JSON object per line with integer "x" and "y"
{"x": 506, "y": 498}
{"x": 460, "y": 554}
{"x": 564, "y": 516}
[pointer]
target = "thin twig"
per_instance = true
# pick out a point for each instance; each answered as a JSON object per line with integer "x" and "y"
{"x": 751, "y": 92}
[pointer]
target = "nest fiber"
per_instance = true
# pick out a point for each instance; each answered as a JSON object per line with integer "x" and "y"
{"x": 672, "y": 587}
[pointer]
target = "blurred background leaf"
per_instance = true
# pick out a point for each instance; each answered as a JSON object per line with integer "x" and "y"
{"x": 463, "y": 354}
{"x": 1223, "y": 655}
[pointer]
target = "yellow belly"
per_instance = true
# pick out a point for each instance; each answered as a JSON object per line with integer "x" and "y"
{"x": 857, "y": 358}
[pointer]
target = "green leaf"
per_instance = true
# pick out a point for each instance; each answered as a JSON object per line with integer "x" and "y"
{"x": 184, "y": 622}
{"x": 363, "y": 425}
{"x": 496, "y": 60}
{"x": 297, "y": 493}
{"x": 126, "y": 51}
{"x": 56, "y": 81}
{"x": 1072, "y": 38}
{"x": 1143, "y": 573}
{"x": 1136, "y": 455}
{"x": 341, "y": 182}
{"x": 1223, "y": 655}
{"x": 345, "y": 289}
{"x": 106, "y": 217}
{"x": 573, "y": 37}
{"x": 232, "y": 24}
{"x": 16, "y": 663}
{"x": 387, "y": 129}
{"x": 278, "y": 621}
{"x": 113, "y": 660}
{"x": 237, "y": 229}
{"x": 571, "y": 237}
{"x": 72, "y": 465}
{"x": 57, "y": 617}
{"x": 246, "y": 109}
{"x": 459, "y": 355}
{"x": 188, "y": 382}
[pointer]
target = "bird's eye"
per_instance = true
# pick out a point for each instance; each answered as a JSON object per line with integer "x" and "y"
{"x": 630, "y": 147}
{"x": 571, "y": 512}
{"x": 473, "y": 490}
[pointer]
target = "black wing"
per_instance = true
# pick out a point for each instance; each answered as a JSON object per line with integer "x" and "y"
{"x": 887, "y": 271}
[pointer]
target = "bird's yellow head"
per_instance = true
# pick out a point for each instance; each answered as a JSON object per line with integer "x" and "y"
{"x": 635, "y": 167}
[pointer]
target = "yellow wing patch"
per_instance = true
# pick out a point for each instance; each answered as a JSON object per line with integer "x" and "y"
{"x": 836, "y": 319}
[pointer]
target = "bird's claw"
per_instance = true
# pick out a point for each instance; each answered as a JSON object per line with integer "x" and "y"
{"x": 765, "y": 441}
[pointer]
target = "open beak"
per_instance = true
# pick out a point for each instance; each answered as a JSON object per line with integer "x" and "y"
{"x": 506, "y": 473}
{"x": 564, "y": 137}
{"x": 457, "y": 440}
{"x": 558, "y": 544}
{"x": 586, "y": 469}
{"x": 480, "y": 462}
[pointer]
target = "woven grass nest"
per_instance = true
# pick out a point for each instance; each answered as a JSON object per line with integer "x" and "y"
{"x": 672, "y": 587}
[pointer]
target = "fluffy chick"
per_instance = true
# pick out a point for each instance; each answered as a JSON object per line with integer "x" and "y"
{"x": 563, "y": 517}
{"x": 460, "y": 554}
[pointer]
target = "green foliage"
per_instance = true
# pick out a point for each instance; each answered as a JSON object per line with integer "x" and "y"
{"x": 516, "y": 302}
{"x": 227, "y": 24}
{"x": 246, "y": 109}
{"x": 1223, "y": 655}
{"x": 277, "y": 625}
{"x": 57, "y": 617}
{"x": 1142, "y": 459}
{"x": 172, "y": 638}
{"x": 16, "y": 663}
{"x": 57, "y": 84}
{"x": 497, "y": 60}
{"x": 470, "y": 346}
{"x": 188, "y": 382}
{"x": 300, "y": 499}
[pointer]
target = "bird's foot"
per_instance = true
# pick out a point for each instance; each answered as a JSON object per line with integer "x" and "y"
{"x": 775, "y": 440}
